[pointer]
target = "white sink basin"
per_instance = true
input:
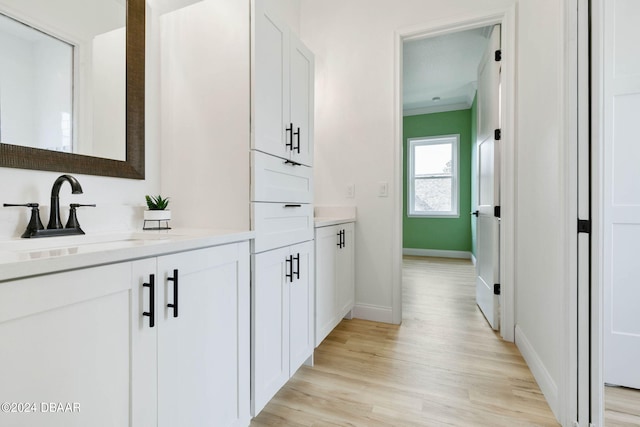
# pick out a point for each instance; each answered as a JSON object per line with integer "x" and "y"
{"x": 46, "y": 247}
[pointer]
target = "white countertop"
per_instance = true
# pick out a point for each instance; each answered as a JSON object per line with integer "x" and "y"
{"x": 325, "y": 216}
{"x": 325, "y": 221}
{"x": 30, "y": 257}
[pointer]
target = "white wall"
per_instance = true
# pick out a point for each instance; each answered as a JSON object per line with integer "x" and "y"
{"x": 354, "y": 46}
{"x": 540, "y": 193}
{"x": 206, "y": 113}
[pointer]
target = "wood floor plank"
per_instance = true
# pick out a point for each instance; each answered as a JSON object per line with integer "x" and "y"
{"x": 622, "y": 407}
{"x": 443, "y": 366}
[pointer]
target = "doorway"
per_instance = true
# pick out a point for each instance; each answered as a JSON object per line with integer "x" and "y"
{"x": 506, "y": 262}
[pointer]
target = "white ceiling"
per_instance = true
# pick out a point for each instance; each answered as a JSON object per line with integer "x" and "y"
{"x": 444, "y": 66}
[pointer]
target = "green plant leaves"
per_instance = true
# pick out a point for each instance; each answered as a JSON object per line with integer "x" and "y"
{"x": 156, "y": 203}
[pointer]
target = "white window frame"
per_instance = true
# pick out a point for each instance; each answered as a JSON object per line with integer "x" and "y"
{"x": 454, "y": 140}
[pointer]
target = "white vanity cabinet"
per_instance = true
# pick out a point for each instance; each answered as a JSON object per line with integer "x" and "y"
{"x": 283, "y": 89}
{"x": 86, "y": 339}
{"x": 335, "y": 284}
{"x": 201, "y": 338}
{"x": 282, "y": 313}
{"x": 66, "y": 339}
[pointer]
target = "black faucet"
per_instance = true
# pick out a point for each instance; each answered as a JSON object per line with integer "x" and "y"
{"x": 54, "y": 214}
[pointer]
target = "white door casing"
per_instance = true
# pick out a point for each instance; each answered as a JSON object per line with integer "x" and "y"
{"x": 621, "y": 195}
{"x": 488, "y": 179}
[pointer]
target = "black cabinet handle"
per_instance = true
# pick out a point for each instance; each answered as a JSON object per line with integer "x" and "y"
{"x": 290, "y": 132}
{"x": 289, "y": 262}
{"x": 297, "y": 134}
{"x": 174, "y": 279}
{"x": 292, "y": 206}
{"x": 152, "y": 300}
{"x": 297, "y": 273}
{"x": 343, "y": 239}
{"x": 341, "y": 243}
{"x": 292, "y": 163}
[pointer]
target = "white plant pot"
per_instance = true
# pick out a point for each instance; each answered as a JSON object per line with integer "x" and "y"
{"x": 157, "y": 215}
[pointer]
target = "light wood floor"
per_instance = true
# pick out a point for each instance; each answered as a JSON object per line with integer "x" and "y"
{"x": 443, "y": 366}
{"x": 622, "y": 407}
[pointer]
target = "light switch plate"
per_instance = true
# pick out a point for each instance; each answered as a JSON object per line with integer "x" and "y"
{"x": 383, "y": 189}
{"x": 351, "y": 191}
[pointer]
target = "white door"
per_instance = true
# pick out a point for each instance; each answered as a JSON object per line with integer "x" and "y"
{"x": 488, "y": 179}
{"x": 302, "y": 74}
{"x": 345, "y": 274}
{"x": 66, "y": 338}
{"x": 301, "y": 305}
{"x": 327, "y": 239}
{"x": 621, "y": 193}
{"x": 270, "y": 320}
{"x": 271, "y": 84}
{"x": 201, "y": 359}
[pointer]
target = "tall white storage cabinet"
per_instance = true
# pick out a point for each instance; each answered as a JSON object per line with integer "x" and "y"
{"x": 282, "y": 332}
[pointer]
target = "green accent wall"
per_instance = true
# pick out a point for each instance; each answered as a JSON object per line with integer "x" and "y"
{"x": 453, "y": 234}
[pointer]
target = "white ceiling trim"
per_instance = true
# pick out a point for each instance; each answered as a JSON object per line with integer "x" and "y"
{"x": 436, "y": 109}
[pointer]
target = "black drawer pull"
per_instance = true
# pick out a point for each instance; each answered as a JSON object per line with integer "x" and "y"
{"x": 174, "y": 279}
{"x": 152, "y": 300}
{"x": 292, "y": 163}
{"x": 292, "y": 206}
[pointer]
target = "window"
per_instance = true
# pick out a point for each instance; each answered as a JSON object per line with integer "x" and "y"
{"x": 432, "y": 174}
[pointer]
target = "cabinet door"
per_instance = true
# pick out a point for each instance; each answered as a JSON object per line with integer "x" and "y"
{"x": 302, "y": 87}
{"x": 345, "y": 280}
{"x": 301, "y": 305}
{"x": 203, "y": 339}
{"x": 270, "y": 320}
{"x": 144, "y": 338}
{"x": 66, "y": 339}
{"x": 271, "y": 103}
{"x": 327, "y": 239}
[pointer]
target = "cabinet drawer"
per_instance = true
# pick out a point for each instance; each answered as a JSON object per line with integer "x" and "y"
{"x": 279, "y": 180}
{"x": 280, "y": 224}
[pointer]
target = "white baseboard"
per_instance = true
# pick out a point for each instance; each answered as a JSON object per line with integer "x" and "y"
{"x": 539, "y": 371}
{"x": 473, "y": 259}
{"x": 374, "y": 313}
{"x": 437, "y": 253}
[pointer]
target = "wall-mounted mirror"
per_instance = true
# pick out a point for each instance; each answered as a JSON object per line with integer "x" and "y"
{"x": 72, "y": 86}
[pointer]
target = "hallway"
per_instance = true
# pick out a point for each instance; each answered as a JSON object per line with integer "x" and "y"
{"x": 442, "y": 366}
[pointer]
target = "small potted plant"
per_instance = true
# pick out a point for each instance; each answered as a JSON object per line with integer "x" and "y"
{"x": 157, "y": 208}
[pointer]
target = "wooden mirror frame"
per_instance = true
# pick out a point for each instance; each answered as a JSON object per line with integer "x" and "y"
{"x": 15, "y": 156}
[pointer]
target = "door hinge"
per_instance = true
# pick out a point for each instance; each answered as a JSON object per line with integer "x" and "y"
{"x": 497, "y": 134}
{"x": 498, "y": 55}
{"x": 496, "y": 289}
{"x": 496, "y": 211}
{"x": 584, "y": 226}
